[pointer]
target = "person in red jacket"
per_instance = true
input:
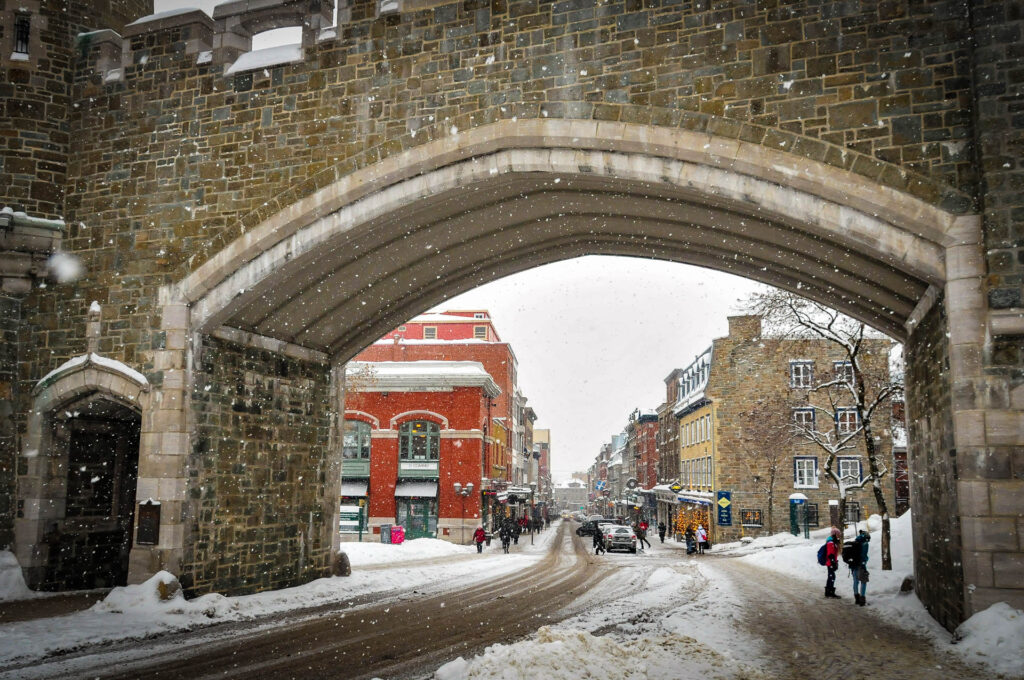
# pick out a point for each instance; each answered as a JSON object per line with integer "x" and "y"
{"x": 832, "y": 562}
{"x": 479, "y": 536}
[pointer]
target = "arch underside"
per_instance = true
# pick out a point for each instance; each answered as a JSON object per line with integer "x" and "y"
{"x": 368, "y": 278}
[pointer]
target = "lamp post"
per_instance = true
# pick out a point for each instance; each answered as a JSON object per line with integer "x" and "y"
{"x": 463, "y": 492}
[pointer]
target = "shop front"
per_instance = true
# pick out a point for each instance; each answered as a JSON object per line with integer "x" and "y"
{"x": 416, "y": 508}
{"x": 354, "y": 510}
{"x": 694, "y": 510}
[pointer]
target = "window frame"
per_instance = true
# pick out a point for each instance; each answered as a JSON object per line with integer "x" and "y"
{"x": 805, "y": 410}
{"x": 752, "y": 513}
{"x": 812, "y": 516}
{"x": 479, "y": 332}
{"x": 842, "y": 413}
{"x": 431, "y": 436}
{"x": 852, "y": 517}
{"x": 21, "y": 33}
{"x": 796, "y": 472}
{"x": 430, "y": 332}
{"x": 801, "y": 373}
{"x": 364, "y": 428}
{"x": 840, "y": 460}
{"x": 843, "y": 370}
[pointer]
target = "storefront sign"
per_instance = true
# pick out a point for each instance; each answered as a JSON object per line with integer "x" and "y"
{"x": 724, "y": 508}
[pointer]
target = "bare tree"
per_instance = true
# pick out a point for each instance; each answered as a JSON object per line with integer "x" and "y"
{"x": 851, "y": 401}
{"x": 766, "y": 433}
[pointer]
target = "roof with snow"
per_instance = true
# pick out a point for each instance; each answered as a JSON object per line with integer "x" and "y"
{"x": 419, "y": 376}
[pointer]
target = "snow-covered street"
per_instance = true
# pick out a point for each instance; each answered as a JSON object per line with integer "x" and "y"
{"x": 657, "y": 614}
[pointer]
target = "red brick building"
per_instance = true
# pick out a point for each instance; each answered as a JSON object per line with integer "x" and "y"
{"x": 413, "y": 430}
{"x": 466, "y": 336}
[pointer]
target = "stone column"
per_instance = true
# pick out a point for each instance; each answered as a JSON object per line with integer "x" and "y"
{"x": 163, "y": 449}
{"x": 332, "y": 481}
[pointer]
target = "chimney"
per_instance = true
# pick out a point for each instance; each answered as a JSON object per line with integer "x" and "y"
{"x": 747, "y": 327}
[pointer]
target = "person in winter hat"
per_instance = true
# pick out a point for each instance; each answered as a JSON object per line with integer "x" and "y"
{"x": 859, "y": 566}
{"x": 598, "y": 542}
{"x": 661, "y": 531}
{"x": 832, "y": 551}
{"x": 702, "y": 539}
{"x": 479, "y": 536}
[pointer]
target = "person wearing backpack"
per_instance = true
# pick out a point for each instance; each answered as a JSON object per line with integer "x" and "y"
{"x": 859, "y": 566}
{"x": 832, "y": 562}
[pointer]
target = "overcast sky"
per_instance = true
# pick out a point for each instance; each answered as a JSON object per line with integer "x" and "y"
{"x": 596, "y": 336}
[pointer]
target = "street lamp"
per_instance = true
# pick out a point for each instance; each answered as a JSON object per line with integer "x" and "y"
{"x": 464, "y": 493}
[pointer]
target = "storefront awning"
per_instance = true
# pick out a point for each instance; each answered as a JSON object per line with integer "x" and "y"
{"x": 354, "y": 488}
{"x": 694, "y": 501}
{"x": 416, "y": 490}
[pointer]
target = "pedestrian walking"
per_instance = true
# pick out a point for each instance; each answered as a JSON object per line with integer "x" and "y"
{"x": 516, "y": 530}
{"x": 479, "y": 536}
{"x": 661, "y": 531}
{"x": 832, "y": 562}
{"x": 859, "y": 566}
{"x": 598, "y": 542}
{"x": 691, "y": 540}
{"x": 641, "y": 535}
{"x": 506, "y": 536}
{"x": 702, "y": 539}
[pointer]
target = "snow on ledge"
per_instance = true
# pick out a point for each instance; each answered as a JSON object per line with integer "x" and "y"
{"x": 83, "y": 361}
{"x": 271, "y": 56}
{"x": 165, "y": 15}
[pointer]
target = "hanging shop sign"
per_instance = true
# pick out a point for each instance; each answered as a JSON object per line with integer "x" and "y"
{"x": 724, "y": 504}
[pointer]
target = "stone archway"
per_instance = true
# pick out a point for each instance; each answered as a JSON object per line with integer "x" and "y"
{"x": 77, "y": 489}
{"x": 339, "y": 268}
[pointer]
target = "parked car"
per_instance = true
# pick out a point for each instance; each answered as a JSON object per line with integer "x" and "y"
{"x": 618, "y": 537}
{"x": 590, "y": 527}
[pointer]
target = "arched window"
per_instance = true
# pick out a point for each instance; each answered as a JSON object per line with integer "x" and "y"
{"x": 356, "y": 444}
{"x": 419, "y": 440}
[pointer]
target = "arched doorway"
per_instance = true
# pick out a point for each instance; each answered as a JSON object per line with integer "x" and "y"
{"x": 96, "y": 442}
{"x": 78, "y": 483}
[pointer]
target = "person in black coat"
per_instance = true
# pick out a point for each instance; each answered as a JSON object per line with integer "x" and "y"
{"x": 598, "y": 542}
{"x": 661, "y": 531}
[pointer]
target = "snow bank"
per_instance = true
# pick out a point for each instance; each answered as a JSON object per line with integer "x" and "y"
{"x": 994, "y": 637}
{"x": 12, "y": 582}
{"x": 361, "y": 554}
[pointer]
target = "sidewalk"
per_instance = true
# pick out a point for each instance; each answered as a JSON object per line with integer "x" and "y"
{"x": 47, "y": 605}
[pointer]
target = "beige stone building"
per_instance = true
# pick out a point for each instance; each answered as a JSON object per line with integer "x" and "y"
{"x": 721, "y": 451}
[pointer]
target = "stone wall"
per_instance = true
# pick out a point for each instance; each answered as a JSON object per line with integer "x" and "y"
{"x": 747, "y": 368}
{"x": 258, "y": 512}
{"x": 10, "y": 320}
{"x": 933, "y": 471}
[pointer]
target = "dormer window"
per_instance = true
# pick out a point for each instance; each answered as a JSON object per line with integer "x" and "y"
{"x": 430, "y": 333}
{"x": 22, "y": 26}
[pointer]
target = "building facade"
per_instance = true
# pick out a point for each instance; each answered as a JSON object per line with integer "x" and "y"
{"x": 413, "y": 441}
{"x": 733, "y": 486}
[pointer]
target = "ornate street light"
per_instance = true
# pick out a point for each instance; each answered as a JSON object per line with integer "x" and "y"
{"x": 464, "y": 493}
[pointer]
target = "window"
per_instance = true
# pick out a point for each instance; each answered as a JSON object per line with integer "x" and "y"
{"x": 479, "y": 315}
{"x": 852, "y": 511}
{"x": 850, "y": 467}
{"x": 480, "y": 332}
{"x": 805, "y": 472}
{"x": 751, "y": 518}
{"x": 804, "y": 418}
{"x": 846, "y": 420}
{"x": 812, "y": 514}
{"x": 21, "y": 33}
{"x": 401, "y": 328}
{"x": 356, "y": 440}
{"x": 419, "y": 440}
{"x": 843, "y": 371}
{"x": 707, "y": 426}
{"x": 801, "y": 373}
{"x": 430, "y": 332}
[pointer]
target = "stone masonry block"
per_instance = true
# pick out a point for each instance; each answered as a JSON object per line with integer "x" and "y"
{"x": 970, "y": 428}
{"x": 1004, "y": 428}
{"x": 974, "y": 498}
{"x": 978, "y": 569}
{"x": 1008, "y": 570}
{"x": 1007, "y": 497}
{"x": 174, "y": 317}
{"x": 989, "y": 533}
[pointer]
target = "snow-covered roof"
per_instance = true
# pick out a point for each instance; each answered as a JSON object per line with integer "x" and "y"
{"x": 693, "y": 380}
{"x": 408, "y": 341}
{"x": 420, "y": 376}
{"x": 270, "y": 56}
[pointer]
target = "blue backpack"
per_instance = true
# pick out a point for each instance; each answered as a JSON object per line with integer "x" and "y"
{"x": 823, "y": 554}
